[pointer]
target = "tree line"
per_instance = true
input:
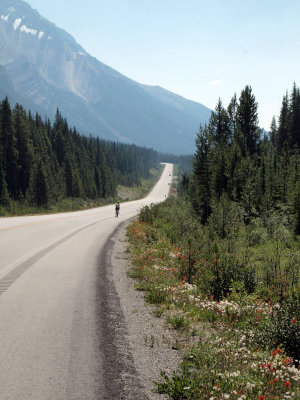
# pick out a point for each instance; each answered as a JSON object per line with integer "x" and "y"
{"x": 237, "y": 162}
{"x": 42, "y": 162}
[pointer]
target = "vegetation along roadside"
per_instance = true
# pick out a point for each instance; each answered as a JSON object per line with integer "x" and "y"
{"x": 220, "y": 261}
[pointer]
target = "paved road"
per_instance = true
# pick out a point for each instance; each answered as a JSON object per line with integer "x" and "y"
{"x": 51, "y": 291}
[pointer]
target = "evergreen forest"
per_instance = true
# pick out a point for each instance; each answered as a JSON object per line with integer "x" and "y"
{"x": 236, "y": 162}
{"x": 220, "y": 260}
{"x": 44, "y": 164}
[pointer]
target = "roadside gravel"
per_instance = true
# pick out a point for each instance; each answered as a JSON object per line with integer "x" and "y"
{"x": 141, "y": 344}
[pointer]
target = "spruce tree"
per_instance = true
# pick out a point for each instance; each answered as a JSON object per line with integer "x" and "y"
{"x": 9, "y": 148}
{"x": 247, "y": 121}
{"x": 283, "y": 124}
{"x": 201, "y": 198}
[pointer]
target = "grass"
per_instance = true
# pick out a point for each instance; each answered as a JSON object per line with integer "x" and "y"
{"x": 75, "y": 204}
{"x": 125, "y": 193}
{"x": 232, "y": 347}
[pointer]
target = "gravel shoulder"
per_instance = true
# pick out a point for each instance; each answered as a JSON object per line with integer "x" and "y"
{"x": 138, "y": 344}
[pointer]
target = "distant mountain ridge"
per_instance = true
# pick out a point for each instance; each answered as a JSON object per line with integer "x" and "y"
{"x": 44, "y": 66}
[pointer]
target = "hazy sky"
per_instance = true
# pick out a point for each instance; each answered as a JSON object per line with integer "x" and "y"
{"x": 200, "y": 49}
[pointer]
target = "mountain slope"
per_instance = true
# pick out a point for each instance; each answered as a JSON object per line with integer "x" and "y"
{"x": 51, "y": 70}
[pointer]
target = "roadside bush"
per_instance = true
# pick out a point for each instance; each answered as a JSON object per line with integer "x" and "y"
{"x": 146, "y": 214}
{"x": 285, "y": 328}
{"x": 228, "y": 270}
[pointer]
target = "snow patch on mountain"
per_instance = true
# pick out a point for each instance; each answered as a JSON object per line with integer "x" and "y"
{"x": 17, "y": 23}
{"x": 5, "y": 17}
{"x": 28, "y": 30}
{"x": 41, "y": 34}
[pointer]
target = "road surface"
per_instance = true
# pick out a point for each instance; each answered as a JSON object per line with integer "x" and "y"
{"x": 55, "y": 342}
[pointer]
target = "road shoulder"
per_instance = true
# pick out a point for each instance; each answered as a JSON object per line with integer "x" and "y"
{"x": 141, "y": 343}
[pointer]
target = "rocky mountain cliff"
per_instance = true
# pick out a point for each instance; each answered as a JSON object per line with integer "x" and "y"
{"x": 44, "y": 68}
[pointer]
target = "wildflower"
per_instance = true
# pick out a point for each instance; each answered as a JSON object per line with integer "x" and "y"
{"x": 294, "y": 320}
{"x": 261, "y": 397}
{"x": 287, "y": 361}
{"x": 287, "y": 383}
{"x": 277, "y": 351}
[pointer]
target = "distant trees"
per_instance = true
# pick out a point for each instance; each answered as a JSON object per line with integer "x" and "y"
{"x": 41, "y": 163}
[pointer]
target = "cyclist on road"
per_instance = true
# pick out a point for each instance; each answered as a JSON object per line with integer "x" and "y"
{"x": 117, "y": 208}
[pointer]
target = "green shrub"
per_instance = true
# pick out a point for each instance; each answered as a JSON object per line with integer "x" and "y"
{"x": 156, "y": 295}
{"x": 228, "y": 270}
{"x": 285, "y": 328}
{"x": 177, "y": 321}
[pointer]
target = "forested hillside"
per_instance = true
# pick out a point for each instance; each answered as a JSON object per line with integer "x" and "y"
{"x": 235, "y": 163}
{"x": 42, "y": 163}
{"x": 221, "y": 260}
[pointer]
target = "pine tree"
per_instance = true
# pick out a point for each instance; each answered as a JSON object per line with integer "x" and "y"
{"x": 283, "y": 125}
{"x": 294, "y": 128}
{"x": 40, "y": 188}
{"x": 24, "y": 148}
{"x": 247, "y": 122}
{"x": 273, "y": 131}
{"x": 10, "y": 153}
{"x": 201, "y": 198}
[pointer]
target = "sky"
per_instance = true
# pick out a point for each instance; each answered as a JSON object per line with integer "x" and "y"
{"x": 202, "y": 50}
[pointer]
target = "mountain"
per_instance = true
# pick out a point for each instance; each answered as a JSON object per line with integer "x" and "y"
{"x": 44, "y": 68}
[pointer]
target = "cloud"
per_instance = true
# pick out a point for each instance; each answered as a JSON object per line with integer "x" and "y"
{"x": 216, "y": 82}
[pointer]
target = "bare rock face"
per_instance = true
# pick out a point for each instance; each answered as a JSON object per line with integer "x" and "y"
{"x": 48, "y": 68}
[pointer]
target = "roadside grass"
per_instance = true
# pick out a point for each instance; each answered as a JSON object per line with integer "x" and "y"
{"x": 124, "y": 193}
{"x": 62, "y": 205}
{"x": 235, "y": 346}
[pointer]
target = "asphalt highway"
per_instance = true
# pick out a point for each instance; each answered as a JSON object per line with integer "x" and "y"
{"x": 52, "y": 327}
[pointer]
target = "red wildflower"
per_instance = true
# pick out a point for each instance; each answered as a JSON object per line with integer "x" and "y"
{"x": 262, "y": 365}
{"x": 287, "y": 361}
{"x": 261, "y": 397}
{"x": 212, "y": 297}
{"x": 269, "y": 365}
{"x": 294, "y": 320}
{"x": 287, "y": 383}
{"x": 277, "y": 351}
